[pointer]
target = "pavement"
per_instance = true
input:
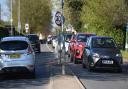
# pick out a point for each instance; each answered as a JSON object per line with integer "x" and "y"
{"x": 59, "y": 80}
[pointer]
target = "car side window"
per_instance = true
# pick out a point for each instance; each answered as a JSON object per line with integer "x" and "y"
{"x": 88, "y": 42}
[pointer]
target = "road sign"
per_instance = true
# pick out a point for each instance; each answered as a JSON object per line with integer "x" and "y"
{"x": 58, "y": 18}
{"x": 26, "y": 27}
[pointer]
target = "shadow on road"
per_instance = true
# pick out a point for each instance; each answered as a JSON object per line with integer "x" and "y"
{"x": 99, "y": 75}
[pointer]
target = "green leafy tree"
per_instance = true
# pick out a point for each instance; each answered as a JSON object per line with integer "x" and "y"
{"x": 36, "y": 13}
{"x": 73, "y": 9}
{"x": 105, "y": 17}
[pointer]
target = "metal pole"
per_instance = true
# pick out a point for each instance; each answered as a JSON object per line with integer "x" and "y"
{"x": 11, "y": 19}
{"x": 126, "y": 44}
{"x": 62, "y": 20}
{"x": 126, "y": 39}
{"x": 0, "y": 12}
{"x": 19, "y": 22}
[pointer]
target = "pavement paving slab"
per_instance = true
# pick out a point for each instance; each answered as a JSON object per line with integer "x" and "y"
{"x": 60, "y": 81}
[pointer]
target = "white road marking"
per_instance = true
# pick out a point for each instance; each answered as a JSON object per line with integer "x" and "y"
{"x": 78, "y": 80}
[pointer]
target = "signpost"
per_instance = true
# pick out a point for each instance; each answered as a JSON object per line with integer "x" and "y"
{"x": 59, "y": 20}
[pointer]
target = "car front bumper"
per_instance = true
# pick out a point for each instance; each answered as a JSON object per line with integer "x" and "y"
{"x": 110, "y": 66}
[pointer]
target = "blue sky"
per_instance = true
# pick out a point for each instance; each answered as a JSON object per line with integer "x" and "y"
{"x": 5, "y": 12}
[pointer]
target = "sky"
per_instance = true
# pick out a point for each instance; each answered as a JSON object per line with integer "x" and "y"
{"x": 4, "y": 10}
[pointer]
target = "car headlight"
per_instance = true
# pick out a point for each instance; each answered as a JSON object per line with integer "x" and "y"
{"x": 118, "y": 55}
{"x": 77, "y": 52}
{"x": 95, "y": 57}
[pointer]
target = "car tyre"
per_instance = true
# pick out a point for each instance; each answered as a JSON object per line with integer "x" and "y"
{"x": 75, "y": 61}
{"x": 70, "y": 58}
{"x": 90, "y": 69}
{"x": 83, "y": 65}
{"x": 33, "y": 74}
{"x": 119, "y": 70}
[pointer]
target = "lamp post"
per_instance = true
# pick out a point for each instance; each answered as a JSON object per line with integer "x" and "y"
{"x": 11, "y": 19}
{"x": 19, "y": 22}
{"x": 0, "y": 12}
{"x": 126, "y": 38}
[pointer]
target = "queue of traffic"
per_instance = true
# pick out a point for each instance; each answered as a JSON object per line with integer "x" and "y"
{"x": 93, "y": 52}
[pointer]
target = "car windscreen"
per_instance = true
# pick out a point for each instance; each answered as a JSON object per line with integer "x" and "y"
{"x": 103, "y": 43}
{"x": 82, "y": 38}
{"x": 68, "y": 37}
{"x": 33, "y": 38}
{"x": 13, "y": 45}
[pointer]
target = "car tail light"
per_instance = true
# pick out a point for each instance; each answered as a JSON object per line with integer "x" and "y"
{"x": 29, "y": 50}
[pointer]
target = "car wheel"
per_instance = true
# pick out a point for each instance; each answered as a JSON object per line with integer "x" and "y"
{"x": 90, "y": 69}
{"x": 33, "y": 74}
{"x": 53, "y": 47}
{"x": 71, "y": 58}
{"x": 75, "y": 61}
{"x": 83, "y": 65}
{"x": 119, "y": 70}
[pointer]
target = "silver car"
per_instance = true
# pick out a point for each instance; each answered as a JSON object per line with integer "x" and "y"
{"x": 16, "y": 55}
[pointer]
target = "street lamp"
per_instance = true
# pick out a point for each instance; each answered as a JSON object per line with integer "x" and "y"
{"x": 19, "y": 22}
{"x": 11, "y": 20}
{"x": 0, "y": 12}
{"x": 126, "y": 38}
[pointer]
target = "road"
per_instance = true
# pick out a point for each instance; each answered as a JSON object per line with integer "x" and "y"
{"x": 101, "y": 79}
{"x": 91, "y": 80}
{"x": 23, "y": 81}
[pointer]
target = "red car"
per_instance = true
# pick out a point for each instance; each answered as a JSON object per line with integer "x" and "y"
{"x": 77, "y": 45}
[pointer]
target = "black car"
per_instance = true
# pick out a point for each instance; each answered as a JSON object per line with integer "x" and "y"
{"x": 34, "y": 39}
{"x": 102, "y": 53}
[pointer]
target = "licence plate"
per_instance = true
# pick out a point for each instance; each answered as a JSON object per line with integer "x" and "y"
{"x": 107, "y": 62}
{"x": 12, "y": 56}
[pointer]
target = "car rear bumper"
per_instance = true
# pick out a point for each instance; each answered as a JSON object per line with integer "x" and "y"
{"x": 18, "y": 64}
{"x": 20, "y": 69}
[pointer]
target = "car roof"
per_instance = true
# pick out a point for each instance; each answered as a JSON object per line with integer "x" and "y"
{"x": 100, "y": 37}
{"x": 85, "y": 34}
{"x": 31, "y": 35}
{"x": 12, "y": 38}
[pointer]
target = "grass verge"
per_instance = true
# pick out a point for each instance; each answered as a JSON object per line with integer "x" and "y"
{"x": 125, "y": 55}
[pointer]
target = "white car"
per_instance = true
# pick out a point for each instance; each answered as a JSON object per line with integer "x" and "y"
{"x": 16, "y": 55}
{"x": 49, "y": 39}
{"x": 54, "y": 41}
{"x": 67, "y": 41}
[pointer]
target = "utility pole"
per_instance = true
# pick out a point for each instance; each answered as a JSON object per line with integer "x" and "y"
{"x": 11, "y": 19}
{"x": 19, "y": 22}
{"x": 0, "y": 12}
{"x": 126, "y": 38}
